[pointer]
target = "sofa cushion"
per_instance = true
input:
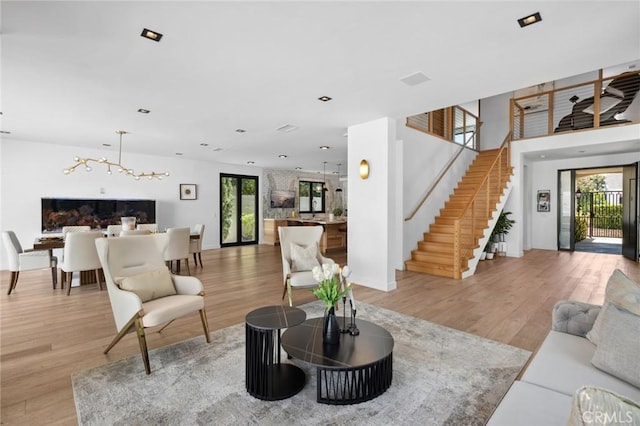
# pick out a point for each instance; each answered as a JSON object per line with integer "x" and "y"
{"x": 618, "y": 352}
{"x": 149, "y": 285}
{"x": 592, "y": 405}
{"x": 622, "y": 292}
{"x": 563, "y": 364}
{"x": 303, "y": 258}
{"x": 526, "y": 404}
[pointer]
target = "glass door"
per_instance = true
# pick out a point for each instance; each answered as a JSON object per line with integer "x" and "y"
{"x": 566, "y": 209}
{"x": 238, "y": 210}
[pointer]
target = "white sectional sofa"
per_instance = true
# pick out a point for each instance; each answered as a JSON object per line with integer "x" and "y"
{"x": 563, "y": 363}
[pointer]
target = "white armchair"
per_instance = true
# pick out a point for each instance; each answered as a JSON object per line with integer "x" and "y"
{"x": 21, "y": 260}
{"x": 129, "y": 257}
{"x": 296, "y": 270}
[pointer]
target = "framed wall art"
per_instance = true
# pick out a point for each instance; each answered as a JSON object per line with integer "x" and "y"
{"x": 188, "y": 191}
{"x": 544, "y": 201}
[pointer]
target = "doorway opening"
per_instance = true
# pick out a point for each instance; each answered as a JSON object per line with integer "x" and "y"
{"x": 599, "y": 211}
{"x": 238, "y": 210}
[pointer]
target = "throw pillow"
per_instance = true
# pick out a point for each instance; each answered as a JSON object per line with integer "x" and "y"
{"x": 149, "y": 285}
{"x": 303, "y": 258}
{"x": 622, "y": 292}
{"x": 597, "y": 406}
{"x": 619, "y": 347}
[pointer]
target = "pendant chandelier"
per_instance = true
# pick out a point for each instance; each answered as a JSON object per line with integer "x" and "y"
{"x": 118, "y": 166}
{"x": 338, "y": 189}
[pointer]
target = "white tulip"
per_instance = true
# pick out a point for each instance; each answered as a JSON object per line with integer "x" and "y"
{"x": 346, "y": 271}
{"x": 317, "y": 273}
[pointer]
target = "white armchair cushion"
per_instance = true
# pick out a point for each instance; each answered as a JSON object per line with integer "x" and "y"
{"x": 165, "y": 309}
{"x": 149, "y": 285}
{"x": 304, "y": 258}
{"x": 597, "y": 406}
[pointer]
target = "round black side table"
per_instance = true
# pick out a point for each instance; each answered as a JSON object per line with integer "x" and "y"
{"x": 266, "y": 377}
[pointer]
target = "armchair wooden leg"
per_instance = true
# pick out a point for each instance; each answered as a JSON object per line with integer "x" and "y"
{"x": 205, "y": 324}
{"x": 14, "y": 281}
{"x": 97, "y": 271}
{"x": 289, "y": 292}
{"x": 165, "y": 326}
{"x": 142, "y": 340}
{"x": 122, "y": 333}
{"x": 284, "y": 290}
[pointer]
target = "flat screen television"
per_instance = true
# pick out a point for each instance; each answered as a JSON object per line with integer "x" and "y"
{"x": 283, "y": 199}
{"x": 97, "y": 213}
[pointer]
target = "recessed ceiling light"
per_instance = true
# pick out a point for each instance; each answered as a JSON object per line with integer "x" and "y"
{"x": 251, "y": 162}
{"x": 582, "y": 151}
{"x": 204, "y": 144}
{"x": 324, "y": 98}
{"x": 143, "y": 111}
{"x": 298, "y": 168}
{"x": 4, "y": 132}
{"x": 529, "y": 20}
{"x": 286, "y": 128}
{"x": 543, "y": 156}
{"x": 415, "y": 79}
{"x": 178, "y": 153}
{"x": 106, "y": 144}
{"x": 218, "y": 149}
{"x": 240, "y": 130}
{"x": 282, "y": 156}
{"x": 325, "y": 147}
{"x": 335, "y": 172}
{"x": 151, "y": 35}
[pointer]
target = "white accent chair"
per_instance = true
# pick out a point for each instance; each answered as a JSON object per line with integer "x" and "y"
{"x": 130, "y": 256}
{"x": 26, "y": 260}
{"x": 303, "y": 236}
{"x": 114, "y": 230}
{"x": 151, "y": 227}
{"x": 126, "y": 232}
{"x": 177, "y": 247}
{"x": 80, "y": 255}
{"x": 78, "y": 228}
{"x": 195, "y": 244}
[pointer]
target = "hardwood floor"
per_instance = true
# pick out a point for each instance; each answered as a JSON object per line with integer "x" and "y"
{"x": 47, "y": 336}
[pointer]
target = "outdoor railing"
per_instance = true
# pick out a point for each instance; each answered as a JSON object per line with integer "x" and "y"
{"x": 454, "y": 124}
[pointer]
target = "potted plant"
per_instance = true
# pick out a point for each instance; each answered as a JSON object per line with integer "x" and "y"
{"x": 330, "y": 290}
{"x": 337, "y": 212}
{"x": 497, "y": 238}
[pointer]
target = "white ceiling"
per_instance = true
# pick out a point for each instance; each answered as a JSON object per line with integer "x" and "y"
{"x": 75, "y": 72}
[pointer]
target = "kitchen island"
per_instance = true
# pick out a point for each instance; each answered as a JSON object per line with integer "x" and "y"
{"x": 334, "y": 236}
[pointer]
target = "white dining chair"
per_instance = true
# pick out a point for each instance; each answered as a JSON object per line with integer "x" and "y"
{"x": 114, "y": 230}
{"x": 26, "y": 260}
{"x": 177, "y": 247}
{"x": 75, "y": 228}
{"x": 195, "y": 244}
{"x": 80, "y": 254}
{"x": 126, "y": 232}
{"x": 152, "y": 227}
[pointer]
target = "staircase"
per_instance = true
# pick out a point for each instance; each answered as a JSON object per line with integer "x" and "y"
{"x": 455, "y": 240}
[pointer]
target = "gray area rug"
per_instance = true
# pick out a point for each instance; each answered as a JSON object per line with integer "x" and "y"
{"x": 441, "y": 376}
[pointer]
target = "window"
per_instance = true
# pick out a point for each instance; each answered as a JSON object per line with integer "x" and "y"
{"x": 311, "y": 197}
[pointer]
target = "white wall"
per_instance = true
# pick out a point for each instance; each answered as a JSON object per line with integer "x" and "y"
{"x": 532, "y": 174}
{"x": 31, "y": 171}
{"x": 373, "y": 204}
{"x": 494, "y": 113}
{"x": 424, "y": 157}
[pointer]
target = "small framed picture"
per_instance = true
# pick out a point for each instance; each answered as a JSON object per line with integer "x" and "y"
{"x": 544, "y": 201}
{"x": 188, "y": 191}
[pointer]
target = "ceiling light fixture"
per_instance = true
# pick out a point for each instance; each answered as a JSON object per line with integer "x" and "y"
{"x": 325, "y": 147}
{"x": 5, "y": 132}
{"x": 298, "y": 168}
{"x": 287, "y": 128}
{"x": 151, "y": 35}
{"x": 529, "y": 20}
{"x": 324, "y": 98}
{"x": 122, "y": 169}
{"x": 282, "y": 156}
{"x": 143, "y": 111}
{"x": 240, "y": 130}
{"x": 204, "y": 144}
{"x": 338, "y": 189}
{"x": 251, "y": 162}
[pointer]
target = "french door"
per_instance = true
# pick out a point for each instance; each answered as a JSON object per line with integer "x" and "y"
{"x": 566, "y": 209}
{"x": 630, "y": 215}
{"x": 238, "y": 210}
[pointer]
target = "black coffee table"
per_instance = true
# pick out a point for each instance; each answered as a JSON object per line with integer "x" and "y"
{"x": 358, "y": 369}
{"x": 266, "y": 377}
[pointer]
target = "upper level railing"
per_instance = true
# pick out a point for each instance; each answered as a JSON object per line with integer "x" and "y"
{"x": 589, "y": 105}
{"x": 454, "y": 124}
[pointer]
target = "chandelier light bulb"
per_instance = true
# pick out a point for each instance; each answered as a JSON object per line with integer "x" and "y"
{"x": 87, "y": 168}
{"x": 67, "y": 171}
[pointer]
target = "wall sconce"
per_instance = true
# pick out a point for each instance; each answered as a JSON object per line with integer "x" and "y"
{"x": 364, "y": 169}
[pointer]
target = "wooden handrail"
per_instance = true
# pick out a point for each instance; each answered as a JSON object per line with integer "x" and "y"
{"x": 442, "y": 174}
